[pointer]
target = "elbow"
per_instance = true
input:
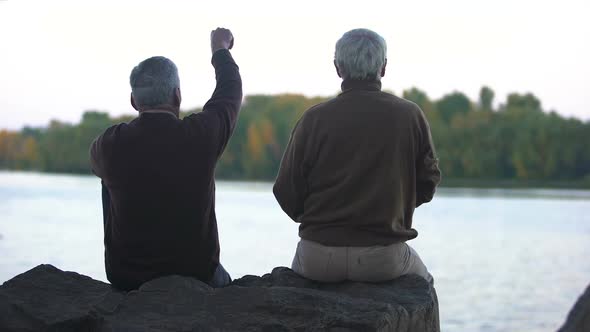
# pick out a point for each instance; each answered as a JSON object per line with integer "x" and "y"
{"x": 424, "y": 196}
{"x": 427, "y": 197}
{"x": 239, "y": 91}
{"x": 426, "y": 190}
{"x": 275, "y": 191}
{"x": 280, "y": 197}
{"x": 284, "y": 202}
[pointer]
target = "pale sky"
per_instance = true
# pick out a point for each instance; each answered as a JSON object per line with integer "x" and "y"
{"x": 58, "y": 58}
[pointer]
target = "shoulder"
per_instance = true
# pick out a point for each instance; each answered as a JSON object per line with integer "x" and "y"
{"x": 409, "y": 109}
{"x": 314, "y": 115}
{"x": 319, "y": 109}
{"x": 401, "y": 103}
{"x": 110, "y": 135}
{"x": 115, "y": 130}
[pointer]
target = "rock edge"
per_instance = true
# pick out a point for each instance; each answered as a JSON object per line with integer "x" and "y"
{"x": 48, "y": 299}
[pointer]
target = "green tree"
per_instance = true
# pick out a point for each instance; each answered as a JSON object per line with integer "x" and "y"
{"x": 519, "y": 140}
{"x": 486, "y": 98}
{"x": 451, "y": 105}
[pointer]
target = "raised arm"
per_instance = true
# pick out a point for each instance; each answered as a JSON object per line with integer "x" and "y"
{"x": 427, "y": 171}
{"x": 220, "y": 113}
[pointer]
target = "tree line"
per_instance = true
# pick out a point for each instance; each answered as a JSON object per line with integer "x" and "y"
{"x": 475, "y": 140}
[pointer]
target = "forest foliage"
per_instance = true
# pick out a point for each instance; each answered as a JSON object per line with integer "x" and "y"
{"x": 475, "y": 140}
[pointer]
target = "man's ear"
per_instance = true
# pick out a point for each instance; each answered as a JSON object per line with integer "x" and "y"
{"x": 337, "y": 70}
{"x": 133, "y": 103}
{"x": 177, "y": 97}
{"x": 383, "y": 69}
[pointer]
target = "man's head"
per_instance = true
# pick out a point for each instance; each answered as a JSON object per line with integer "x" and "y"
{"x": 155, "y": 85}
{"x": 361, "y": 55}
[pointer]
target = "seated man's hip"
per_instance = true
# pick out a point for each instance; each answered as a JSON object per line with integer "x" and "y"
{"x": 371, "y": 264}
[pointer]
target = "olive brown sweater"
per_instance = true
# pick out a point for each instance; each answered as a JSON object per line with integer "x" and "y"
{"x": 356, "y": 167}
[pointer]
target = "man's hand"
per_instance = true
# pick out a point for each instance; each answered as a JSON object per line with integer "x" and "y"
{"x": 221, "y": 39}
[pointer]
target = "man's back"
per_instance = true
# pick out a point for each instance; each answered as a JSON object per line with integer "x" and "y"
{"x": 359, "y": 155}
{"x": 162, "y": 209}
{"x": 158, "y": 177}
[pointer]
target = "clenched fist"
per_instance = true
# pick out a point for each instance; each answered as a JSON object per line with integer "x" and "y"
{"x": 221, "y": 38}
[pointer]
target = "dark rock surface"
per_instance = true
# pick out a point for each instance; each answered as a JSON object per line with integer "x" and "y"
{"x": 578, "y": 320}
{"x": 48, "y": 299}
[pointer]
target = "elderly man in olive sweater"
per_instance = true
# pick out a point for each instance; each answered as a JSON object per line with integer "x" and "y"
{"x": 353, "y": 172}
{"x": 158, "y": 175}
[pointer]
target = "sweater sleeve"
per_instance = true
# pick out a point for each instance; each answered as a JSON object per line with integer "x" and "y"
{"x": 100, "y": 152}
{"x": 95, "y": 164}
{"x": 219, "y": 116}
{"x": 427, "y": 172}
{"x": 290, "y": 188}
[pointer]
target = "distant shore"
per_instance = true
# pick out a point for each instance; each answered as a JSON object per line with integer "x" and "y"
{"x": 446, "y": 183}
{"x": 516, "y": 144}
{"x": 516, "y": 183}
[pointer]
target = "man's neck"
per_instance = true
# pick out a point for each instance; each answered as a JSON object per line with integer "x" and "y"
{"x": 161, "y": 110}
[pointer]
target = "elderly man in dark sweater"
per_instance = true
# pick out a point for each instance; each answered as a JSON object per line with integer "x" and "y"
{"x": 158, "y": 173}
{"x": 353, "y": 172}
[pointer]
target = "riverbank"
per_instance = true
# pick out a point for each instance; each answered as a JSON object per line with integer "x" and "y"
{"x": 516, "y": 184}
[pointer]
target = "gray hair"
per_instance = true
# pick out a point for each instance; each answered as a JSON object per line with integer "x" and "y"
{"x": 360, "y": 54}
{"x": 153, "y": 82}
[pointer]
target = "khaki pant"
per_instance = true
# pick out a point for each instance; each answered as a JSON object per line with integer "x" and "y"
{"x": 373, "y": 264}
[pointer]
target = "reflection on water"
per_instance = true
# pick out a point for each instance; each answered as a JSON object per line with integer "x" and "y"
{"x": 503, "y": 260}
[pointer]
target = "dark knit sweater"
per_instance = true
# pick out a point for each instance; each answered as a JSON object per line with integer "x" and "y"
{"x": 158, "y": 173}
{"x": 356, "y": 167}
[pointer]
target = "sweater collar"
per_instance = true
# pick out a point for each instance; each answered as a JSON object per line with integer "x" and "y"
{"x": 367, "y": 85}
{"x": 159, "y": 111}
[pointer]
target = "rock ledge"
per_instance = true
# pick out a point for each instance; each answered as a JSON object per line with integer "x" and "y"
{"x": 48, "y": 299}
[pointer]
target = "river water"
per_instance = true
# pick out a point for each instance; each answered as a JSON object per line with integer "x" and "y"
{"x": 503, "y": 260}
